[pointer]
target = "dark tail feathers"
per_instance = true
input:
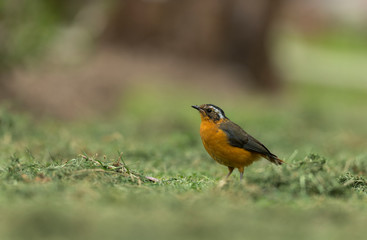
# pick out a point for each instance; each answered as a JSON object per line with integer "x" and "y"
{"x": 274, "y": 159}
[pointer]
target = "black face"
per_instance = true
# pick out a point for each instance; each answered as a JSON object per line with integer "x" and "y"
{"x": 211, "y": 111}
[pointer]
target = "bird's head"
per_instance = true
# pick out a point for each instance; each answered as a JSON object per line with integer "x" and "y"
{"x": 210, "y": 112}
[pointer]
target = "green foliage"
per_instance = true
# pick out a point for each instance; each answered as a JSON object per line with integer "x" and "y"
{"x": 27, "y": 28}
{"x": 358, "y": 183}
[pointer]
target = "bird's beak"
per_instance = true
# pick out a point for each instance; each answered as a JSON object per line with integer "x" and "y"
{"x": 196, "y": 107}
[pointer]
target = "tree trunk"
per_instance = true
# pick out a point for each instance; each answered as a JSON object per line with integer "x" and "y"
{"x": 235, "y": 31}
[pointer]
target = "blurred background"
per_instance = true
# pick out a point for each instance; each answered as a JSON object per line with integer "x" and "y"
{"x": 72, "y": 59}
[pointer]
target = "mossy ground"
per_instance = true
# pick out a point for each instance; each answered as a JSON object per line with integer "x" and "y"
{"x": 69, "y": 180}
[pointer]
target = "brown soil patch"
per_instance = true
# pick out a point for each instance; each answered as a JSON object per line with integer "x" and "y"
{"x": 96, "y": 85}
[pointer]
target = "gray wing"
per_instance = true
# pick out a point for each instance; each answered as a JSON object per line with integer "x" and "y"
{"x": 239, "y": 138}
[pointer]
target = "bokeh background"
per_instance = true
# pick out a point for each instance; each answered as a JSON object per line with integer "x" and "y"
{"x": 96, "y": 77}
{"x": 70, "y": 59}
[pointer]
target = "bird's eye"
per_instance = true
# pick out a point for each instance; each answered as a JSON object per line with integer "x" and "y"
{"x": 209, "y": 110}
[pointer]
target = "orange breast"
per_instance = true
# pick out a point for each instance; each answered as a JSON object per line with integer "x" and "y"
{"x": 216, "y": 144}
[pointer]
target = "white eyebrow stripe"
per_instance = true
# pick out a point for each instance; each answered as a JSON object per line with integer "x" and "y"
{"x": 217, "y": 111}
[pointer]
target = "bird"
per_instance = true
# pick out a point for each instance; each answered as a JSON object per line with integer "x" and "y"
{"x": 227, "y": 143}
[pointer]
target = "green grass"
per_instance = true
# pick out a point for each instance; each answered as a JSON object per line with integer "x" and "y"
{"x": 69, "y": 180}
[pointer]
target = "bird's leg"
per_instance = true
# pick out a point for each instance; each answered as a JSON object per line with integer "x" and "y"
{"x": 230, "y": 169}
{"x": 223, "y": 182}
{"x": 241, "y": 172}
